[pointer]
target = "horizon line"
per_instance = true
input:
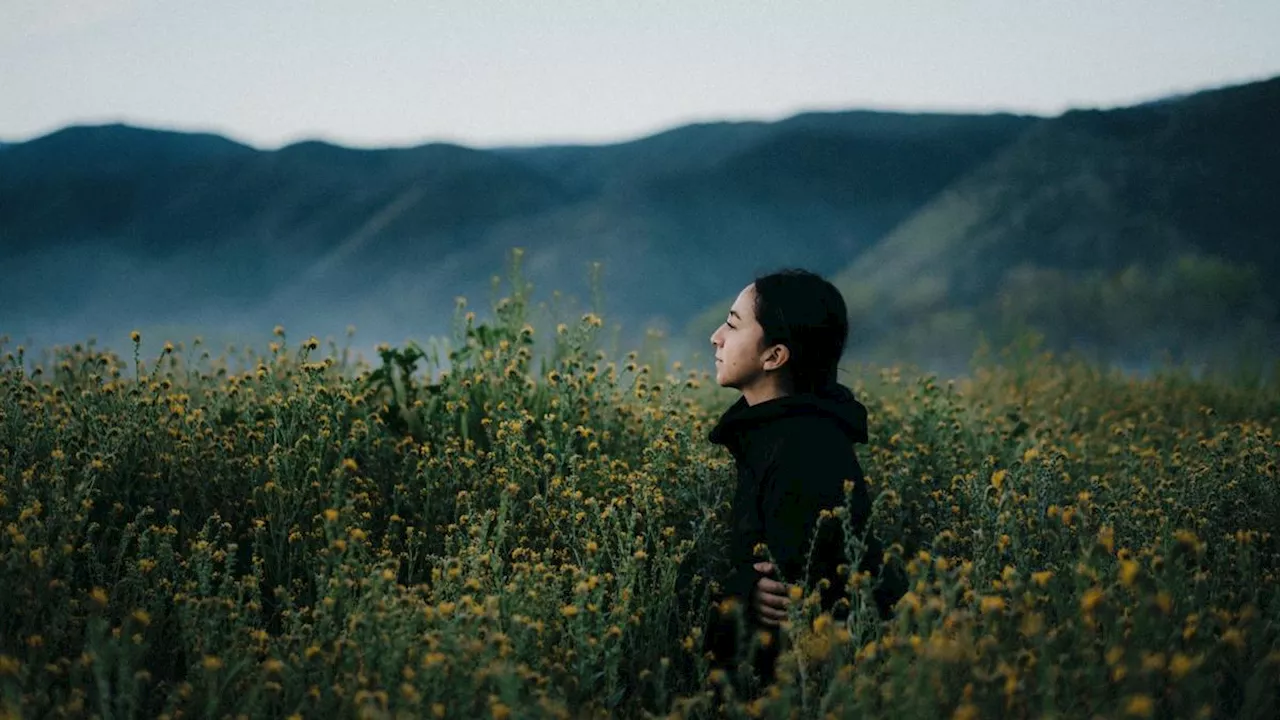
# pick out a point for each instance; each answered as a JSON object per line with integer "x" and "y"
{"x": 623, "y": 139}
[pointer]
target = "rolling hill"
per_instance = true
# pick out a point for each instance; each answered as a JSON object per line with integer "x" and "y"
{"x": 107, "y": 228}
{"x": 1127, "y": 234}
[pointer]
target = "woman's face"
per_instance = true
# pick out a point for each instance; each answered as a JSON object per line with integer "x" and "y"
{"x": 740, "y": 357}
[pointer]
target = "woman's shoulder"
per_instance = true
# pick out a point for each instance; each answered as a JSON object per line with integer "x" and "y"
{"x": 804, "y": 438}
{"x": 803, "y": 429}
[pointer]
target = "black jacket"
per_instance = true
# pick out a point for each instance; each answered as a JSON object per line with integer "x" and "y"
{"x": 793, "y": 457}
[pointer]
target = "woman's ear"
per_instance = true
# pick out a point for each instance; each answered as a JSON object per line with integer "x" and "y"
{"x": 776, "y": 356}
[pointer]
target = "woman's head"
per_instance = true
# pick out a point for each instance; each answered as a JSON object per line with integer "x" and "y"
{"x": 787, "y": 329}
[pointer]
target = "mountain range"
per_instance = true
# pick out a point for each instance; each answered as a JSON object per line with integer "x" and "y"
{"x": 1122, "y": 232}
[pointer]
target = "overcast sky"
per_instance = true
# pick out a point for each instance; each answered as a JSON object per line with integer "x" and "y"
{"x": 487, "y": 72}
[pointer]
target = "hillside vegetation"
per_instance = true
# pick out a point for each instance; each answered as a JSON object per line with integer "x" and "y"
{"x": 1137, "y": 236}
{"x": 103, "y": 229}
{"x": 1127, "y": 234}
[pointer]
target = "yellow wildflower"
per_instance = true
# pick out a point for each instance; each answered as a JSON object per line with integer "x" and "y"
{"x": 1091, "y": 599}
{"x": 992, "y": 604}
{"x": 1233, "y": 637}
{"x": 1107, "y": 538}
{"x": 1180, "y": 665}
{"x": 1128, "y": 572}
{"x": 1139, "y": 706}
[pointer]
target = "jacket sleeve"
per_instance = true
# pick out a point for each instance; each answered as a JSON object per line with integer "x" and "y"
{"x": 801, "y": 481}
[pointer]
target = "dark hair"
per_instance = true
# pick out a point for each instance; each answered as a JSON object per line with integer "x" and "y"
{"x": 805, "y": 312}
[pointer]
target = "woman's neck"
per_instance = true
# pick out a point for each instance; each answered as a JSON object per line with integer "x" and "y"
{"x": 768, "y": 388}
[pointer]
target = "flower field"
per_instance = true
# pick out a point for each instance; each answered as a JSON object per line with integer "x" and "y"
{"x": 530, "y": 532}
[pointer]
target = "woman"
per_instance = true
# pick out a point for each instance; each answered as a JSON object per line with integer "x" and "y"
{"x": 791, "y": 435}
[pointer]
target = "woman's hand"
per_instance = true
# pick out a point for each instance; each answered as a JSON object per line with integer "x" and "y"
{"x": 770, "y": 597}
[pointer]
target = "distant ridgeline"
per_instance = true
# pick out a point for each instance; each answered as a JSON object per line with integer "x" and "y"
{"x": 1124, "y": 233}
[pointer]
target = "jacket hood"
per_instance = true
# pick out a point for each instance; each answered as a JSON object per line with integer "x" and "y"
{"x": 834, "y": 401}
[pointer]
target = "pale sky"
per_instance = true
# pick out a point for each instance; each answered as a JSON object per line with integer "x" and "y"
{"x": 495, "y": 72}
